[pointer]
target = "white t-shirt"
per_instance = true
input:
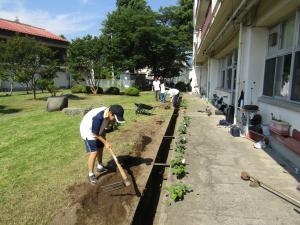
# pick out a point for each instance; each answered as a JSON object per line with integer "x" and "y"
{"x": 162, "y": 88}
{"x": 87, "y": 123}
{"x": 156, "y": 84}
{"x": 172, "y": 92}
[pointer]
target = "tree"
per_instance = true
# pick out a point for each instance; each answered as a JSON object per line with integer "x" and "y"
{"x": 181, "y": 18}
{"x": 135, "y": 37}
{"x": 126, "y": 34}
{"x": 23, "y": 58}
{"x": 85, "y": 62}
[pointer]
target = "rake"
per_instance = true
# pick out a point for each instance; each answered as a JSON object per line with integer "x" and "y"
{"x": 117, "y": 185}
{"x": 254, "y": 182}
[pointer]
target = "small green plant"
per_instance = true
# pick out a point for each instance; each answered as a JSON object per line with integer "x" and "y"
{"x": 180, "y": 149}
{"x": 178, "y": 167}
{"x": 183, "y": 129}
{"x": 186, "y": 120}
{"x": 182, "y": 140}
{"x": 177, "y": 191}
{"x": 183, "y": 104}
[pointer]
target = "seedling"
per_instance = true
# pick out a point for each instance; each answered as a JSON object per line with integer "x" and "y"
{"x": 180, "y": 149}
{"x": 182, "y": 140}
{"x": 179, "y": 171}
{"x": 178, "y": 167}
{"x": 186, "y": 120}
{"x": 177, "y": 191}
{"x": 183, "y": 104}
{"x": 182, "y": 129}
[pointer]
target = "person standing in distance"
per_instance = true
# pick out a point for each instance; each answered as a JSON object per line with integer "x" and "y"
{"x": 156, "y": 88}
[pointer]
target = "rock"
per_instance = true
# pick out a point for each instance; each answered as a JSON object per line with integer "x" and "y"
{"x": 74, "y": 111}
{"x": 57, "y": 103}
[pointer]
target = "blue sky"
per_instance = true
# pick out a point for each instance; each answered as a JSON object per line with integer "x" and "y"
{"x": 73, "y": 18}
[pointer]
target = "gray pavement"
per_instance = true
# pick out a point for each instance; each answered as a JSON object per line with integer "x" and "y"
{"x": 215, "y": 160}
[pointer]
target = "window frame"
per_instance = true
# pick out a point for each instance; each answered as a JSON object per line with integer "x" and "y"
{"x": 224, "y": 67}
{"x": 280, "y": 52}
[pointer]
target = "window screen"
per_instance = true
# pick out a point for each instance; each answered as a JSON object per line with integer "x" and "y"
{"x": 269, "y": 77}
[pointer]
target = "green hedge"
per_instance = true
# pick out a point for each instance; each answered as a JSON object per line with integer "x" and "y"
{"x": 132, "y": 91}
{"x": 85, "y": 89}
{"x": 112, "y": 91}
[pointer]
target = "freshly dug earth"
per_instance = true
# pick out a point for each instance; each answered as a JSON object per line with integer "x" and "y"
{"x": 90, "y": 205}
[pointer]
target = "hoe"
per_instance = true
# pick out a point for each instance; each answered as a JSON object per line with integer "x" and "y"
{"x": 117, "y": 185}
{"x": 254, "y": 182}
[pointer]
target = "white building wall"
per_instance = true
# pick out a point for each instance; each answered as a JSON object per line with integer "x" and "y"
{"x": 254, "y": 50}
{"x": 290, "y": 116}
{"x": 213, "y": 76}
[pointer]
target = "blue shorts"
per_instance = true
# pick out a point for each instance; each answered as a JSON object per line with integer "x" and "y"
{"x": 93, "y": 145}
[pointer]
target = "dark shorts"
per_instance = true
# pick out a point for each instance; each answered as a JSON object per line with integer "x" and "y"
{"x": 93, "y": 145}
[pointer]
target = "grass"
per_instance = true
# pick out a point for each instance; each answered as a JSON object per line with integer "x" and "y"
{"x": 41, "y": 153}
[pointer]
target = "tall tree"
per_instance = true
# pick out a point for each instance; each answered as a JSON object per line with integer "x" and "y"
{"x": 22, "y": 58}
{"x": 85, "y": 61}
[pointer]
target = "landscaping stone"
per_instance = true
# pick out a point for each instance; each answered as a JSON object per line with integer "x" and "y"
{"x": 74, "y": 111}
{"x": 57, "y": 103}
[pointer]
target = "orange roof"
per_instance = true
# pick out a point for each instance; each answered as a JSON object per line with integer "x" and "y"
{"x": 28, "y": 29}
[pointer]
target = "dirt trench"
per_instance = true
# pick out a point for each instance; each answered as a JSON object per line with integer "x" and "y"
{"x": 90, "y": 205}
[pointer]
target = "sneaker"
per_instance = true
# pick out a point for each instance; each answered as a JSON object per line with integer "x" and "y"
{"x": 92, "y": 179}
{"x": 102, "y": 170}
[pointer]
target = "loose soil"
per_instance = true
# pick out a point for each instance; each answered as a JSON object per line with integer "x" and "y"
{"x": 90, "y": 205}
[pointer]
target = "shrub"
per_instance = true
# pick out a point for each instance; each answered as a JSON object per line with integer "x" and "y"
{"x": 112, "y": 91}
{"x": 181, "y": 86}
{"x": 177, "y": 191}
{"x": 178, "y": 167}
{"x": 85, "y": 89}
{"x": 89, "y": 90}
{"x": 180, "y": 149}
{"x": 132, "y": 91}
{"x": 77, "y": 89}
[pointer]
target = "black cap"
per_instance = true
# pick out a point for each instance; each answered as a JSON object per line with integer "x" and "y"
{"x": 118, "y": 112}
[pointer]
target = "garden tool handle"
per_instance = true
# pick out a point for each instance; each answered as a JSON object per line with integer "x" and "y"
{"x": 123, "y": 174}
{"x": 281, "y": 194}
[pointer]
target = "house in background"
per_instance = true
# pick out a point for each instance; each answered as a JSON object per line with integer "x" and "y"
{"x": 9, "y": 29}
{"x": 251, "y": 46}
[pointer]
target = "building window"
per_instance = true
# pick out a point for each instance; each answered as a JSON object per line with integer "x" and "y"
{"x": 228, "y": 71}
{"x": 269, "y": 77}
{"x": 282, "y": 79}
{"x": 223, "y": 77}
{"x": 282, "y": 71}
{"x": 229, "y": 78}
{"x": 295, "y": 95}
{"x": 288, "y": 28}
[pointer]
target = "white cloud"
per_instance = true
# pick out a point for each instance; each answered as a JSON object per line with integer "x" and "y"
{"x": 67, "y": 24}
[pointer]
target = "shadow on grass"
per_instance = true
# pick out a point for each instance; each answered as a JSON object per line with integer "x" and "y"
{"x": 4, "y": 110}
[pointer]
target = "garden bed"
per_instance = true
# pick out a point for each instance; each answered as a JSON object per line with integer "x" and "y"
{"x": 90, "y": 205}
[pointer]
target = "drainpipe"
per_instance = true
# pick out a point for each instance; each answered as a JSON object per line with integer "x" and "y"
{"x": 238, "y": 72}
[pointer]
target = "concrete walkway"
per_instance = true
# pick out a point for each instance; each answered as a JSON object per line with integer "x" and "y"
{"x": 215, "y": 160}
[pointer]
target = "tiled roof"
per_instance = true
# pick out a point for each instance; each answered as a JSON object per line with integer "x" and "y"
{"x": 27, "y": 29}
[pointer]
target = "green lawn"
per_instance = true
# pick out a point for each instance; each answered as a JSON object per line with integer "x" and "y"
{"x": 41, "y": 153}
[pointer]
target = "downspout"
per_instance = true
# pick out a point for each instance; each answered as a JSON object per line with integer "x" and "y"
{"x": 238, "y": 72}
